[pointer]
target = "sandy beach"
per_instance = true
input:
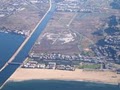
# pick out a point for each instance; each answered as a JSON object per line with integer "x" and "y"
{"x": 23, "y": 74}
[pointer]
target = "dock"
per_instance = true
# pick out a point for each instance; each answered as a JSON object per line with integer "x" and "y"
{"x": 15, "y": 63}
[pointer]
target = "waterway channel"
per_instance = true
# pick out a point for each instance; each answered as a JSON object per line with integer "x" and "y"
{"x": 9, "y": 43}
{"x": 10, "y": 69}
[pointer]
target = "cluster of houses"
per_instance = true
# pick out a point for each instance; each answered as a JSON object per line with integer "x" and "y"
{"x": 64, "y": 57}
{"x": 113, "y": 39}
{"x": 109, "y": 52}
{"x": 8, "y": 9}
{"x": 20, "y": 32}
{"x": 85, "y": 6}
{"x": 109, "y": 47}
{"x": 49, "y": 65}
{"x": 16, "y": 6}
{"x": 72, "y": 6}
{"x": 55, "y": 66}
{"x": 66, "y": 62}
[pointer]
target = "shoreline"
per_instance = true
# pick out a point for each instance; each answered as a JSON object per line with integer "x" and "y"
{"x": 88, "y": 81}
{"x": 24, "y": 42}
{"x": 105, "y": 77}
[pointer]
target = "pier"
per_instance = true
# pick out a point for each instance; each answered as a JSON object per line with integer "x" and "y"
{"x": 15, "y": 63}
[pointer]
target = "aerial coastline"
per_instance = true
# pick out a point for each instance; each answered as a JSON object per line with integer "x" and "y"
{"x": 79, "y": 42}
{"x": 23, "y": 44}
{"x": 106, "y": 77}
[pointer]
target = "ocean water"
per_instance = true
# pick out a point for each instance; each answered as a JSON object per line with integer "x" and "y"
{"x": 58, "y": 85}
{"x": 9, "y": 43}
{"x": 21, "y": 56}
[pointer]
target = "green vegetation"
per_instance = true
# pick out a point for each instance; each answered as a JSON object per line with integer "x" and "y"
{"x": 89, "y": 66}
{"x": 87, "y": 53}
